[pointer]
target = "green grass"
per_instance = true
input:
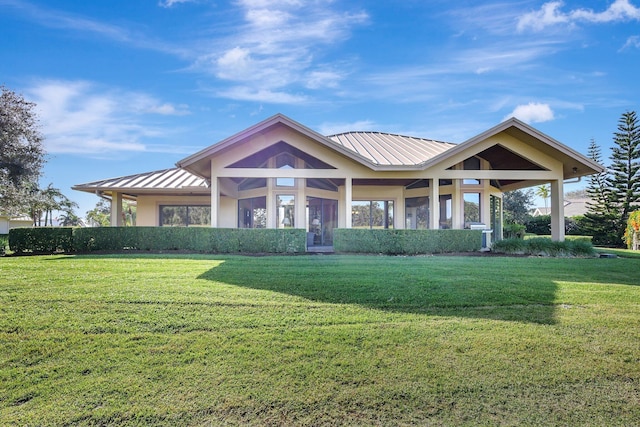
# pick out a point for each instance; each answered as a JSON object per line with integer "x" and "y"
{"x": 319, "y": 340}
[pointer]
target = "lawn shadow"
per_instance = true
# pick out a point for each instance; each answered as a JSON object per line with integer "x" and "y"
{"x": 441, "y": 286}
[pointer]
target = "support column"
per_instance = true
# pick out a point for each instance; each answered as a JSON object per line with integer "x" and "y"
{"x": 215, "y": 201}
{"x": 116, "y": 209}
{"x": 348, "y": 198}
{"x": 557, "y": 210}
{"x": 434, "y": 204}
{"x": 457, "y": 206}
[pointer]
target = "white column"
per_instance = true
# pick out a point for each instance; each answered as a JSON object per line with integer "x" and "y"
{"x": 348, "y": 197}
{"x": 434, "y": 204}
{"x": 557, "y": 210}
{"x": 116, "y": 209}
{"x": 215, "y": 201}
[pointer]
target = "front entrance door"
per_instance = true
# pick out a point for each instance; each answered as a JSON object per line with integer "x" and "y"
{"x": 323, "y": 218}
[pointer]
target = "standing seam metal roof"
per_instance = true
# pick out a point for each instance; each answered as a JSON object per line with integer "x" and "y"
{"x": 391, "y": 149}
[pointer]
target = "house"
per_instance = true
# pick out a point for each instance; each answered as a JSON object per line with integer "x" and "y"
{"x": 280, "y": 173}
{"x": 572, "y": 207}
{"x": 8, "y": 222}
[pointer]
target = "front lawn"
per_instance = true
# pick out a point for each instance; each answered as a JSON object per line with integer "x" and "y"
{"x": 319, "y": 340}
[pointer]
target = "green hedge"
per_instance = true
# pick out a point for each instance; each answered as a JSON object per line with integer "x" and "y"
{"x": 4, "y": 243}
{"x": 406, "y": 242}
{"x": 43, "y": 240}
{"x": 542, "y": 246}
{"x": 193, "y": 239}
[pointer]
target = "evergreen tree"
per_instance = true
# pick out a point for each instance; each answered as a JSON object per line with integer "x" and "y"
{"x": 516, "y": 205}
{"x": 624, "y": 178}
{"x": 600, "y": 219}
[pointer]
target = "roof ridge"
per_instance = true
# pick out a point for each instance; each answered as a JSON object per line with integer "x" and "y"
{"x": 389, "y": 133}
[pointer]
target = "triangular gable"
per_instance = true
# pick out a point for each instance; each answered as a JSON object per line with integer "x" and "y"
{"x": 527, "y": 140}
{"x": 200, "y": 162}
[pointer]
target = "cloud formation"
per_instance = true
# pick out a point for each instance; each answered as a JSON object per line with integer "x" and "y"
{"x": 80, "y": 117}
{"x": 532, "y": 113}
{"x": 551, "y": 14}
{"x": 275, "y": 48}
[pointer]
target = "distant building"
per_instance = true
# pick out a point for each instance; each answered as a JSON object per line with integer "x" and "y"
{"x": 9, "y": 222}
{"x": 572, "y": 207}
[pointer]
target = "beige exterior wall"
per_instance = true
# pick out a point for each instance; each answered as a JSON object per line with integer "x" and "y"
{"x": 148, "y": 208}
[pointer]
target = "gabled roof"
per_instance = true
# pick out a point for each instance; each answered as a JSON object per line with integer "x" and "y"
{"x": 575, "y": 164}
{"x": 173, "y": 180}
{"x": 199, "y": 163}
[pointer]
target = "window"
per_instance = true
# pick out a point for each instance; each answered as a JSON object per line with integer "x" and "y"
{"x": 471, "y": 164}
{"x": 185, "y": 216}
{"x": 285, "y": 207}
{"x": 445, "y": 211}
{"x": 372, "y": 214}
{"x": 471, "y": 209}
{"x": 285, "y": 161}
{"x": 252, "y": 213}
{"x": 417, "y": 213}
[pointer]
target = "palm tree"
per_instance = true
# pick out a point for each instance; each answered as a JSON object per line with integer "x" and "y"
{"x": 47, "y": 200}
{"x": 544, "y": 191}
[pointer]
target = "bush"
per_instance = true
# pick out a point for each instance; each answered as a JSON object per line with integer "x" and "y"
{"x": 406, "y": 242}
{"x": 545, "y": 247}
{"x": 196, "y": 239}
{"x": 514, "y": 231}
{"x": 4, "y": 243}
{"x": 44, "y": 240}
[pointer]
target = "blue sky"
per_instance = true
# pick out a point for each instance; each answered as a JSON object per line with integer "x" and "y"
{"x": 129, "y": 86}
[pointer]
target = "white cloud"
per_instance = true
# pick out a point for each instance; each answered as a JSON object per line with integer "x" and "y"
{"x": 171, "y": 3}
{"x": 551, "y": 14}
{"x": 335, "y": 128}
{"x": 80, "y": 117}
{"x": 273, "y": 50}
{"x": 532, "y": 113}
{"x": 632, "y": 42}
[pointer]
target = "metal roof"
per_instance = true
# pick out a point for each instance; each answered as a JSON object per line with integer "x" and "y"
{"x": 166, "y": 179}
{"x": 390, "y": 149}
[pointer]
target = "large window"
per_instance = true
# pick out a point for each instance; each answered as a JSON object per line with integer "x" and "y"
{"x": 372, "y": 214}
{"x": 471, "y": 209}
{"x": 445, "y": 211}
{"x": 185, "y": 216}
{"x": 285, "y": 207}
{"x": 252, "y": 213}
{"x": 417, "y": 213}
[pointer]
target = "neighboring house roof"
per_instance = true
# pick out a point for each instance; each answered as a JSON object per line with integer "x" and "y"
{"x": 173, "y": 180}
{"x": 391, "y": 149}
{"x": 572, "y": 207}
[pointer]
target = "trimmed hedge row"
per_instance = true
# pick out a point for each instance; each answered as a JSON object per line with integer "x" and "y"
{"x": 196, "y": 239}
{"x": 406, "y": 242}
{"x": 542, "y": 246}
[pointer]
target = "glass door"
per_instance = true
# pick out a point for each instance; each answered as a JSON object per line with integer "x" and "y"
{"x": 323, "y": 219}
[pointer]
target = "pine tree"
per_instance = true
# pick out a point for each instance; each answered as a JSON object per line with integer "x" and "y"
{"x": 601, "y": 219}
{"x": 624, "y": 178}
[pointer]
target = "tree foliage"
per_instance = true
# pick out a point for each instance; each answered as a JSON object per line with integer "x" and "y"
{"x": 21, "y": 152}
{"x": 624, "y": 178}
{"x": 516, "y": 205}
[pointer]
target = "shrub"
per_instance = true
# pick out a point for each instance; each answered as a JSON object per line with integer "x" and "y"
{"x": 196, "y": 239}
{"x": 406, "y": 242}
{"x": 514, "y": 231}
{"x": 42, "y": 240}
{"x": 545, "y": 247}
{"x": 4, "y": 243}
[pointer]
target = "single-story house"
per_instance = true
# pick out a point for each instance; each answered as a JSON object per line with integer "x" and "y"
{"x": 572, "y": 207}
{"x": 8, "y": 222}
{"x": 279, "y": 173}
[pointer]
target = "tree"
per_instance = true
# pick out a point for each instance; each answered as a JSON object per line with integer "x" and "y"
{"x": 624, "y": 177}
{"x": 45, "y": 202}
{"x": 544, "y": 191}
{"x": 516, "y": 205}
{"x": 100, "y": 216}
{"x": 600, "y": 219}
{"x": 21, "y": 152}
